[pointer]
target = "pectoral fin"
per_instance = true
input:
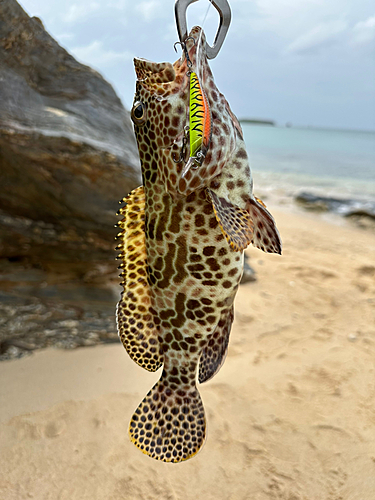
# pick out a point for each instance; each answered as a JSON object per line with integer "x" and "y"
{"x": 235, "y": 222}
{"x": 135, "y": 322}
{"x": 266, "y": 237}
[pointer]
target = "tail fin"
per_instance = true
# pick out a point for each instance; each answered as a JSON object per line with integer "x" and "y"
{"x": 169, "y": 425}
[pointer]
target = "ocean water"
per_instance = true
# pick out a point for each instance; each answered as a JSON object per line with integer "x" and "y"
{"x": 336, "y": 163}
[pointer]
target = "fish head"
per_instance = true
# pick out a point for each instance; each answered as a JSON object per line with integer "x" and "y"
{"x": 160, "y": 115}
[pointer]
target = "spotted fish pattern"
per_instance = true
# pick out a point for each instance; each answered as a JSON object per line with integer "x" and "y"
{"x": 181, "y": 248}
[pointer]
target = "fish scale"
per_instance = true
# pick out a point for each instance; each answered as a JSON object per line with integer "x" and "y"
{"x": 182, "y": 243}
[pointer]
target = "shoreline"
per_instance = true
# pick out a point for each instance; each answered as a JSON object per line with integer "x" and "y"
{"x": 274, "y": 123}
{"x": 288, "y": 185}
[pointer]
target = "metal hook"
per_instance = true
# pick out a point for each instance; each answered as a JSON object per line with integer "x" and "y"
{"x": 184, "y": 144}
{"x": 222, "y": 6}
{"x": 184, "y": 48}
{"x": 183, "y": 44}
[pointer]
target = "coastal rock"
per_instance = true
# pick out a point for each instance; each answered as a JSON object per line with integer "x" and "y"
{"x": 249, "y": 275}
{"x": 361, "y": 211}
{"x": 38, "y": 310}
{"x": 67, "y": 150}
{"x": 67, "y": 156}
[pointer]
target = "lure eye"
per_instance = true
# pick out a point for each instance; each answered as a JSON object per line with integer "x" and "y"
{"x": 138, "y": 113}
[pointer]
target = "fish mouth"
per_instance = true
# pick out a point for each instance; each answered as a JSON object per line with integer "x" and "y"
{"x": 152, "y": 74}
{"x": 196, "y": 48}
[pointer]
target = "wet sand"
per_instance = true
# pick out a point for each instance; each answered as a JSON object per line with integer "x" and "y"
{"x": 290, "y": 416}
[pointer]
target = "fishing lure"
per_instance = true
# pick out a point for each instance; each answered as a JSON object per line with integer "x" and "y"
{"x": 200, "y": 125}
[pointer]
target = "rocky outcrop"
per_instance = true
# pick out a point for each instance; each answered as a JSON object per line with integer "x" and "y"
{"x": 67, "y": 156}
{"x": 67, "y": 151}
{"x": 362, "y": 212}
{"x": 249, "y": 274}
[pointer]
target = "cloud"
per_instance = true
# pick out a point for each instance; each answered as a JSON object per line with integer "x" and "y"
{"x": 364, "y": 32}
{"x": 76, "y": 12}
{"x": 96, "y": 55}
{"x": 251, "y": 63}
{"x": 320, "y": 36}
{"x": 149, "y": 9}
{"x": 118, "y": 4}
{"x": 170, "y": 32}
{"x": 64, "y": 37}
{"x": 287, "y": 17}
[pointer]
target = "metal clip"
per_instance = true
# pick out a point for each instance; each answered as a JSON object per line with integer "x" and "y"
{"x": 222, "y": 6}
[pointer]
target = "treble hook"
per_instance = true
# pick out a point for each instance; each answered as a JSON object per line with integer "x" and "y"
{"x": 183, "y": 148}
{"x": 184, "y": 48}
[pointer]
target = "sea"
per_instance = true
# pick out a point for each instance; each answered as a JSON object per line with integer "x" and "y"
{"x": 324, "y": 162}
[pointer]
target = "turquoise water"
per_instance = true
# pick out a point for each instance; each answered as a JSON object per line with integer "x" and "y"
{"x": 334, "y": 162}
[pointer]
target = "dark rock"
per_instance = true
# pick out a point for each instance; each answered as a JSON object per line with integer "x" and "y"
{"x": 39, "y": 309}
{"x": 312, "y": 203}
{"x": 345, "y": 207}
{"x": 67, "y": 150}
{"x": 67, "y": 156}
{"x": 362, "y": 220}
{"x": 249, "y": 274}
{"x": 361, "y": 212}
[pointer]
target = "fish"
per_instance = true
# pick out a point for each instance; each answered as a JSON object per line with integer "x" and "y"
{"x": 183, "y": 233}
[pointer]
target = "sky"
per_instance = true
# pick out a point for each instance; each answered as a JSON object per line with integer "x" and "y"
{"x": 301, "y": 62}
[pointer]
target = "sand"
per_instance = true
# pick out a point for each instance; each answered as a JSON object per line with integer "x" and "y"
{"x": 290, "y": 416}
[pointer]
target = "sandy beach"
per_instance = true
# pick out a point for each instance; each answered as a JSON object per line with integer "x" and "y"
{"x": 290, "y": 416}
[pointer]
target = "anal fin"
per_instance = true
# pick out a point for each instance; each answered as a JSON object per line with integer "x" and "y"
{"x": 215, "y": 352}
{"x": 235, "y": 222}
{"x": 135, "y": 321}
{"x": 266, "y": 236}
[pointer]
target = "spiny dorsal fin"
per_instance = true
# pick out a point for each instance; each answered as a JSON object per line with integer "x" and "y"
{"x": 215, "y": 352}
{"x": 235, "y": 222}
{"x": 266, "y": 236}
{"x": 135, "y": 321}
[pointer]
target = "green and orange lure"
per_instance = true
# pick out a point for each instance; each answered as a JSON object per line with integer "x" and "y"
{"x": 200, "y": 125}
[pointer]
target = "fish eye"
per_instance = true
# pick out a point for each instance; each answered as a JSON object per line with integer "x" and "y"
{"x": 138, "y": 113}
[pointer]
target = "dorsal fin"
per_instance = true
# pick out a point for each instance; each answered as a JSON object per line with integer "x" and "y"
{"x": 135, "y": 321}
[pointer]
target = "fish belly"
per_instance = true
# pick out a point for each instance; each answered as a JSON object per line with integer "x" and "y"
{"x": 192, "y": 271}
